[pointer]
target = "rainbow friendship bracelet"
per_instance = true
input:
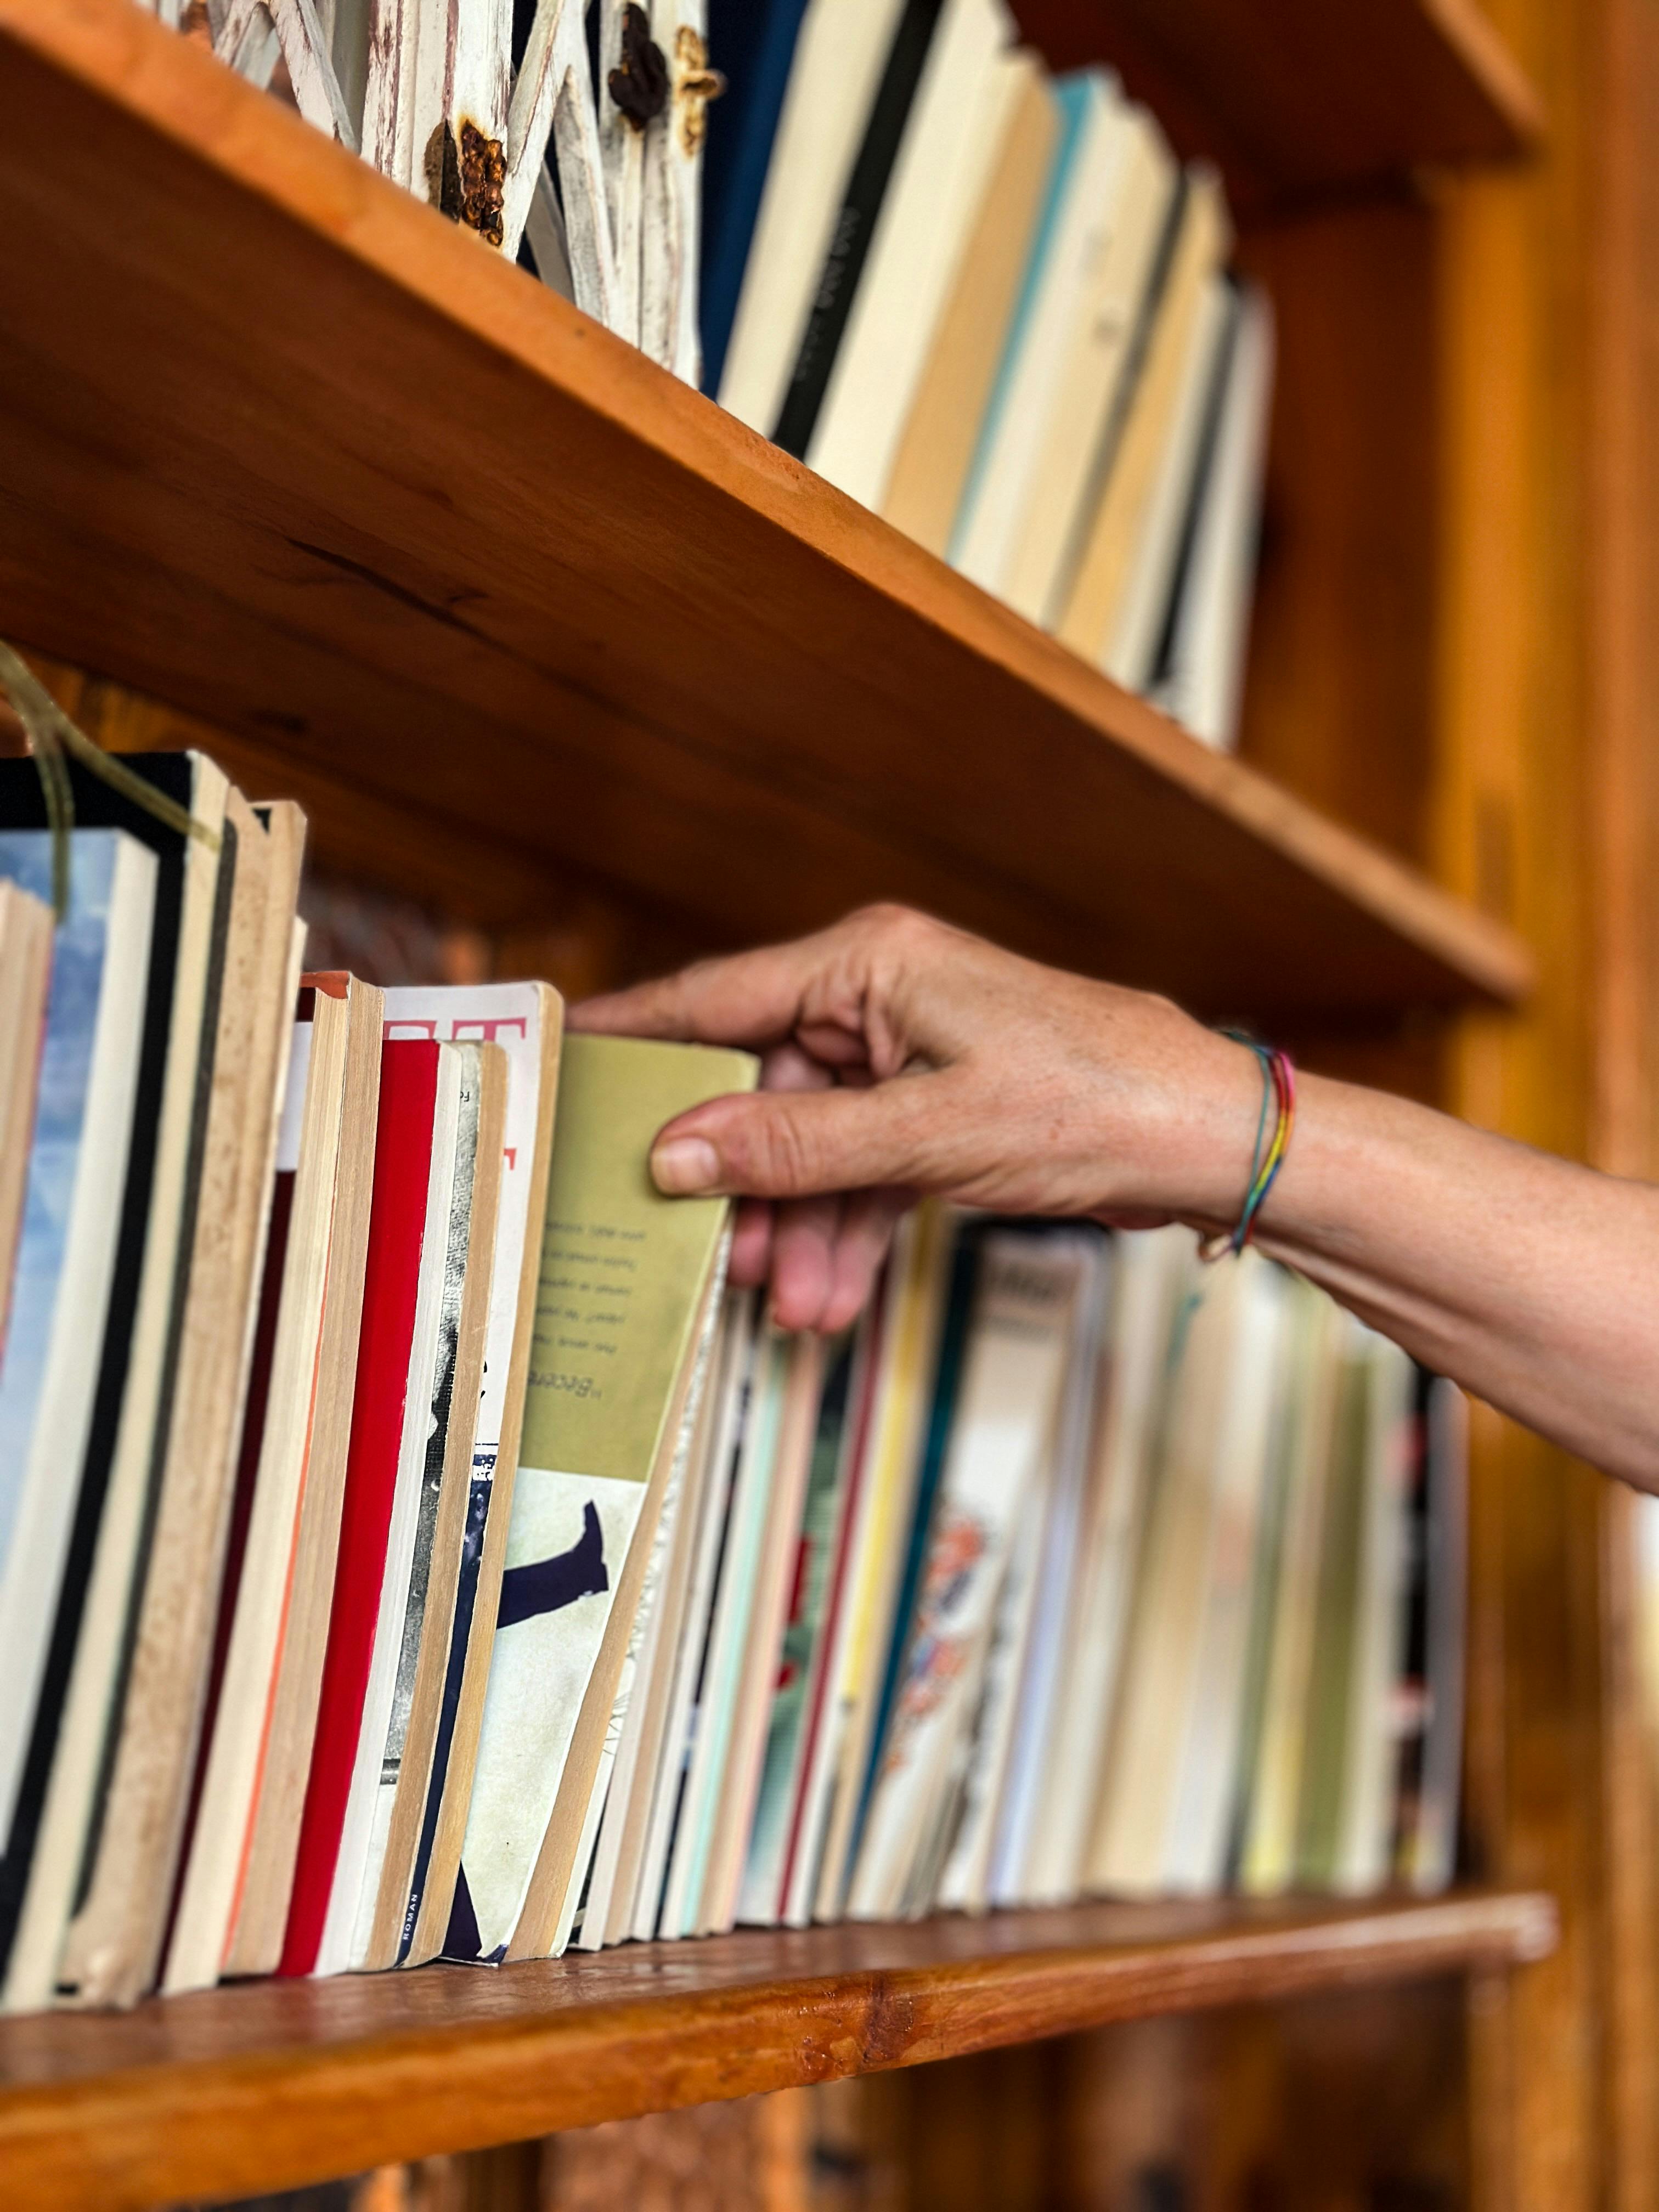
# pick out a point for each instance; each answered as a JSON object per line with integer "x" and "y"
{"x": 1278, "y": 1090}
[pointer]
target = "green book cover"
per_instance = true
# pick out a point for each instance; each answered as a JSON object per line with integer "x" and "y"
{"x": 624, "y": 1274}
{"x": 1320, "y": 1816}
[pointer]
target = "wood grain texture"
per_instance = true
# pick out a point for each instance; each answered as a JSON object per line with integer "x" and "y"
{"x": 276, "y": 2083}
{"x": 1513, "y": 830}
{"x": 1620, "y": 580}
{"x": 1340, "y": 703}
{"x": 282, "y": 447}
{"x": 1303, "y": 99}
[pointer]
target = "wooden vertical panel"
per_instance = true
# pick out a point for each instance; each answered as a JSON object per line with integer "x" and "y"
{"x": 1621, "y": 599}
{"x": 747, "y": 2156}
{"x": 1338, "y": 703}
{"x": 1621, "y": 578}
{"x": 1510, "y": 830}
{"x": 980, "y": 2132}
{"x": 1340, "y": 2104}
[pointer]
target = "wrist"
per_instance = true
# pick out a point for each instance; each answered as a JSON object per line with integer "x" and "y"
{"x": 1184, "y": 1148}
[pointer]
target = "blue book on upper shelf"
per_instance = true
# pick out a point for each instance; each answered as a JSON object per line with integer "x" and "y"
{"x": 753, "y": 44}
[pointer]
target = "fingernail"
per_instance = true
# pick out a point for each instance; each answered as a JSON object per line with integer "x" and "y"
{"x": 683, "y": 1165}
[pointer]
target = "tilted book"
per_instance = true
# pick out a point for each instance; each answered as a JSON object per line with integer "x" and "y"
{"x": 624, "y": 1276}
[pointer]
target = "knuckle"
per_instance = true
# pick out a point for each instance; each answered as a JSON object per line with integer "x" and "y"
{"x": 779, "y": 1154}
{"x": 886, "y": 918}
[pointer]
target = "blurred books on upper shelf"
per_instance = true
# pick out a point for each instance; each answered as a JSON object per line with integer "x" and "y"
{"x": 993, "y": 307}
{"x": 409, "y": 1546}
{"x": 988, "y": 303}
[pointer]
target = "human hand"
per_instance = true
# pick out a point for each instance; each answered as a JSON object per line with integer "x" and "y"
{"x": 904, "y": 1057}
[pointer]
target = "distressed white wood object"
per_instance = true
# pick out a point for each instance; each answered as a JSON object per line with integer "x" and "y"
{"x": 247, "y": 40}
{"x": 388, "y": 109}
{"x": 622, "y": 146}
{"x": 554, "y": 97}
{"x": 435, "y": 67}
{"x": 252, "y": 34}
{"x": 681, "y": 29}
{"x": 545, "y": 228}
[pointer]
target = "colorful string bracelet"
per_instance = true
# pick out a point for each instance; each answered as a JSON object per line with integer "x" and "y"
{"x": 1278, "y": 1094}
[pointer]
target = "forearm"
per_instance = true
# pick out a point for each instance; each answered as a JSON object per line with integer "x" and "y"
{"x": 905, "y": 1057}
{"x": 1533, "y": 1282}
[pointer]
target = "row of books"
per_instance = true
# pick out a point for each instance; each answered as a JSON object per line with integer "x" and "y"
{"x": 992, "y": 306}
{"x": 989, "y": 304}
{"x": 408, "y": 1548}
{"x": 1077, "y": 1568}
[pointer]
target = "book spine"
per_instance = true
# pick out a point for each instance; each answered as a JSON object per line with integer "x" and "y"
{"x": 850, "y": 240}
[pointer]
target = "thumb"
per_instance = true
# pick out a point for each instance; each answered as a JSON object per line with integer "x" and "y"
{"x": 778, "y": 1143}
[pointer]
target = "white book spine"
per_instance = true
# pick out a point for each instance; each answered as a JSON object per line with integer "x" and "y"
{"x": 614, "y": 1784}
{"x": 1362, "y": 1862}
{"x": 1206, "y": 1792}
{"x": 987, "y": 530}
{"x": 1131, "y": 657}
{"x": 357, "y": 1832}
{"x": 932, "y": 195}
{"x": 839, "y": 57}
{"x": 668, "y": 1783}
{"x": 1205, "y": 683}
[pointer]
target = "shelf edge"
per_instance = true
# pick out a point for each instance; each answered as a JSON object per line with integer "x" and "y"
{"x": 262, "y": 2118}
{"x": 171, "y": 86}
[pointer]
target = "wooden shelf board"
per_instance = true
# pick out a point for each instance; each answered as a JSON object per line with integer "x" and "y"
{"x": 1301, "y": 99}
{"x": 274, "y": 2084}
{"x": 279, "y": 445}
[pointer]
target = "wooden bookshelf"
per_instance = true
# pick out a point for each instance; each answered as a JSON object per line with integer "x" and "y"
{"x": 512, "y": 612}
{"x": 1301, "y": 98}
{"x": 275, "y": 2084}
{"x": 280, "y": 445}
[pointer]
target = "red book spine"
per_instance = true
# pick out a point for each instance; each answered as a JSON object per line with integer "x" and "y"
{"x": 396, "y": 1223}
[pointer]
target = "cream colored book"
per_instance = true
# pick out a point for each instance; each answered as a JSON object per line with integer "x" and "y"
{"x": 936, "y": 445}
{"x": 435, "y": 1572}
{"x": 578, "y": 1895}
{"x": 729, "y": 1614}
{"x": 1094, "y": 370}
{"x": 840, "y": 55}
{"x": 926, "y": 211}
{"x": 920, "y": 1266}
{"x": 1365, "y": 1830}
{"x": 1079, "y": 214}
{"x": 992, "y": 1488}
{"x": 526, "y": 1020}
{"x": 1150, "y": 1274}
{"x": 1327, "y": 1743}
{"x": 1195, "y": 1857}
{"x": 259, "y": 1910}
{"x": 624, "y": 1274}
{"x": 1202, "y": 682}
{"x": 326, "y": 1146}
{"x": 1106, "y": 568}
{"x": 728, "y": 1395}
{"x": 607, "y": 1909}
{"x": 1267, "y": 1848}
{"x": 113, "y": 1951}
{"x": 779, "y": 1544}
{"x": 1132, "y": 1826}
{"x": 1143, "y": 618}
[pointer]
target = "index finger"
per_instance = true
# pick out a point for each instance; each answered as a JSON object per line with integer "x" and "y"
{"x": 747, "y": 998}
